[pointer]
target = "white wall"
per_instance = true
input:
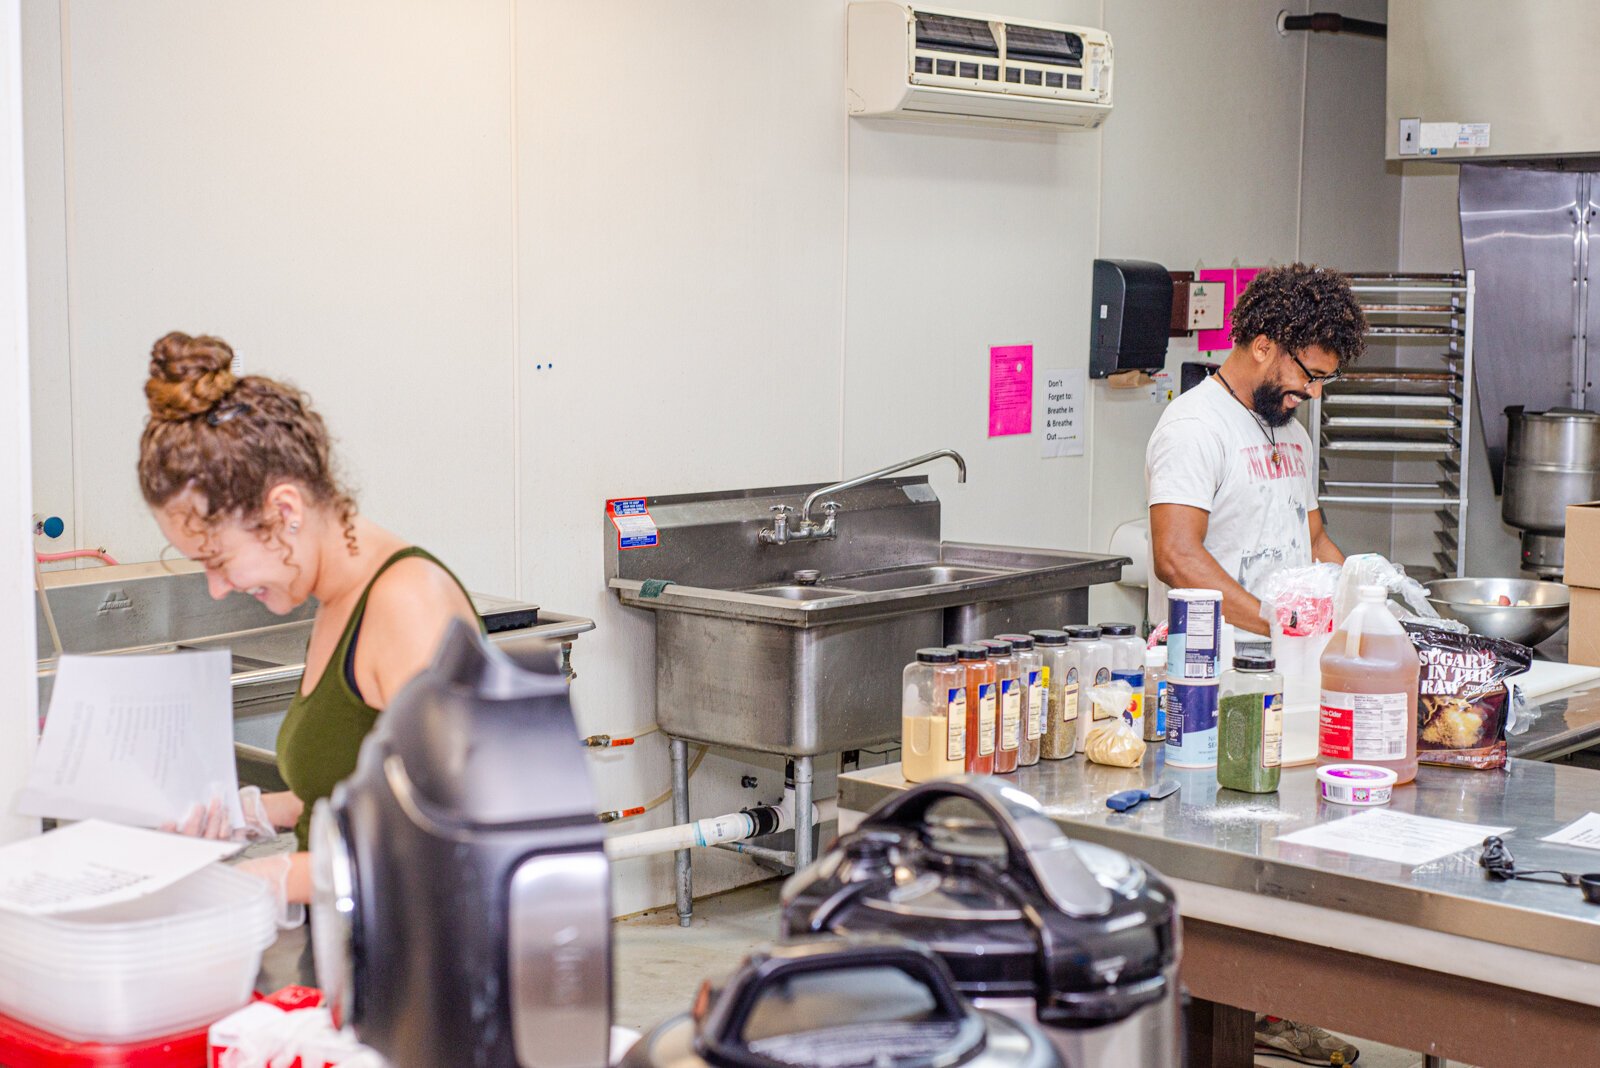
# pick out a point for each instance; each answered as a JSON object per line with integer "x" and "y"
{"x": 961, "y": 238}
{"x": 524, "y": 268}
{"x": 19, "y": 695}
{"x": 326, "y": 186}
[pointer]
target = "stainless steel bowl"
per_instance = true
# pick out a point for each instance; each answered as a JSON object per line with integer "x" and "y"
{"x": 1543, "y": 615}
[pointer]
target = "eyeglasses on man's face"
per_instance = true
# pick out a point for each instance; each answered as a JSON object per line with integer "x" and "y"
{"x": 1312, "y": 377}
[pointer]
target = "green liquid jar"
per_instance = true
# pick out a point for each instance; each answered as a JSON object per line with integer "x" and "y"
{"x": 1250, "y": 725}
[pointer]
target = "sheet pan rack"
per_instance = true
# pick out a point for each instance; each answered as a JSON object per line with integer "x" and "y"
{"x": 1410, "y": 417}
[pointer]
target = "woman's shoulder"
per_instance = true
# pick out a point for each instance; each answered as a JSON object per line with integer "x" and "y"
{"x": 416, "y": 585}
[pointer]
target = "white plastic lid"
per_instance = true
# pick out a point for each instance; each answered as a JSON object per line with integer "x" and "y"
{"x": 1358, "y": 774}
{"x": 1155, "y": 656}
{"x": 1374, "y": 593}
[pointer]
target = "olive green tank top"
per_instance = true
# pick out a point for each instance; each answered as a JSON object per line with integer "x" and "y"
{"x": 324, "y": 729}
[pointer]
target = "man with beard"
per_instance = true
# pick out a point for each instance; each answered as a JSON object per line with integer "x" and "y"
{"x": 1233, "y": 497}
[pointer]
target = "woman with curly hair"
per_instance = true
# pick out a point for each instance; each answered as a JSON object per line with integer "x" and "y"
{"x": 1232, "y": 492}
{"x": 238, "y": 473}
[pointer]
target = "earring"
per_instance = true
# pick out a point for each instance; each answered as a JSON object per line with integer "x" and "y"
{"x": 294, "y": 528}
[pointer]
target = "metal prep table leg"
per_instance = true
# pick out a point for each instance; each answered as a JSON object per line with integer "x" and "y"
{"x": 680, "y": 814}
{"x": 1430, "y": 1061}
{"x": 804, "y": 827}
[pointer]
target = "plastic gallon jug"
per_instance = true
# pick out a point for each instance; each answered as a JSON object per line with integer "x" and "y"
{"x": 1369, "y": 691}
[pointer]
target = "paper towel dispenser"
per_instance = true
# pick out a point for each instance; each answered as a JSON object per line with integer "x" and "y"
{"x": 1129, "y": 318}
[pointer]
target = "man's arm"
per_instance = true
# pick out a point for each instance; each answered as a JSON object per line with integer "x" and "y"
{"x": 1323, "y": 550}
{"x": 1178, "y": 554}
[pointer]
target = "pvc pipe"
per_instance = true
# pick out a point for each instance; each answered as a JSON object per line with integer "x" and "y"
{"x": 764, "y": 819}
{"x": 77, "y": 554}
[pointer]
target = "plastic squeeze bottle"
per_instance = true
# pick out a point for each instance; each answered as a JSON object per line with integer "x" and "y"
{"x": 1369, "y": 691}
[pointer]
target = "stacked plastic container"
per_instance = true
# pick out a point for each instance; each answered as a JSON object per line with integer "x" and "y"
{"x": 172, "y": 961}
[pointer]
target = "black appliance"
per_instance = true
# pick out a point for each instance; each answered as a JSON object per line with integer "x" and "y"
{"x": 1129, "y": 317}
{"x": 462, "y": 898}
{"x": 1075, "y": 935}
{"x": 840, "y": 1003}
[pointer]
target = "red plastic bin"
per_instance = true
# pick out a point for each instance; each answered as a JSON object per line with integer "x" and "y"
{"x": 22, "y": 1046}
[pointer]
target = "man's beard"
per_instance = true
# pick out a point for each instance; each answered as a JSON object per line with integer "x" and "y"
{"x": 1267, "y": 403}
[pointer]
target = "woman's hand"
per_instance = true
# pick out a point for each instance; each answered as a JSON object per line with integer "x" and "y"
{"x": 283, "y": 808}
{"x": 205, "y": 819}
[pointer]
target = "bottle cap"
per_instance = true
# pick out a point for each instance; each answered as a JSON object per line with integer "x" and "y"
{"x": 1083, "y": 634}
{"x": 997, "y": 647}
{"x": 1048, "y": 637}
{"x": 1020, "y": 642}
{"x": 1254, "y": 662}
{"x": 1118, "y": 630}
{"x": 971, "y": 652}
{"x": 936, "y": 656}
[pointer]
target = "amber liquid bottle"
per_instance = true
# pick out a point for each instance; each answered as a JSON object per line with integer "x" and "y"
{"x": 980, "y": 708}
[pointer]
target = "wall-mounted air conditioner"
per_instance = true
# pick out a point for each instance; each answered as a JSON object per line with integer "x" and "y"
{"x": 931, "y": 63}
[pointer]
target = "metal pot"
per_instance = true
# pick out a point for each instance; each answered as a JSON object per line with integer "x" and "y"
{"x": 1552, "y": 460}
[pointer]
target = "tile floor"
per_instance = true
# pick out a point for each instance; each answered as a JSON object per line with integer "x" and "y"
{"x": 659, "y": 965}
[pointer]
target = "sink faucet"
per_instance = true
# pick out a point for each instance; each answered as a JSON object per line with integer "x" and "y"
{"x": 805, "y": 528}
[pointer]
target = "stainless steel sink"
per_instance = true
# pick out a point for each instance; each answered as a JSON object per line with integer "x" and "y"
{"x": 917, "y": 575}
{"x": 747, "y": 657}
{"x": 797, "y": 593}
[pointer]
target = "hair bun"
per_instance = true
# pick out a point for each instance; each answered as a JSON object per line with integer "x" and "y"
{"x": 188, "y": 376}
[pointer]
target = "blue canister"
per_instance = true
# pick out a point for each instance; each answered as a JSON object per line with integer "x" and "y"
{"x": 1194, "y": 635}
{"x": 1191, "y": 724}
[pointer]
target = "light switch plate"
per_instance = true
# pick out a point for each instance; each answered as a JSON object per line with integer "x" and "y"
{"x": 1410, "y": 136}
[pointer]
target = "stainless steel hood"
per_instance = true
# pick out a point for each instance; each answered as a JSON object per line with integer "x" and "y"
{"x": 1492, "y": 79}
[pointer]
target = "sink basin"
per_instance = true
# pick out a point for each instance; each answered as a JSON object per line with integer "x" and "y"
{"x": 798, "y": 593}
{"x": 915, "y": 576}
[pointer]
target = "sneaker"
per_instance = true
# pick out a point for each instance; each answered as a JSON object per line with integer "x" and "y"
{"x": 1277, "y": 1037}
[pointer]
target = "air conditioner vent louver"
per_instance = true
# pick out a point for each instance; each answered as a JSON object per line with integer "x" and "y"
{"x": 912, "y": 62}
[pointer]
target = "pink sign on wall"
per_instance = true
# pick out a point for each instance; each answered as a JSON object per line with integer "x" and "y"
{"x": 1234, "y": 280}
{"x": 1010, "y": 390}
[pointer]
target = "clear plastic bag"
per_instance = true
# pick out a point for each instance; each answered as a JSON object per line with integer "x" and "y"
{"x": 1113, "y": 740}
{"x": 1371, "y": 569}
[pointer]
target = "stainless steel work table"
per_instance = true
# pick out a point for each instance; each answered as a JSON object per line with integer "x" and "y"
{"x": 1432, "y": 957}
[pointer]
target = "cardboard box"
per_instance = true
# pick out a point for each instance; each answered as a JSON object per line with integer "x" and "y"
{"x": 1583, "y": 627}
{"x": 1583, "y": 545}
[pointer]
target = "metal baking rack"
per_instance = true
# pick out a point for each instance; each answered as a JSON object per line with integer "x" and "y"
{"x": 1411, "y": 417}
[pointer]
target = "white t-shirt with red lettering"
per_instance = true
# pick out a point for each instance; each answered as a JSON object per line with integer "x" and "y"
{"x": 1209, "y": 452}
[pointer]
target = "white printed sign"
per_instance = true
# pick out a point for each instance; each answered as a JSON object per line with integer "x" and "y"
{"x": 1065, "y": 392}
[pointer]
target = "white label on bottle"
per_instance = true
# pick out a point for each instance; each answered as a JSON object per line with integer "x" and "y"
{"x": 1036, "y": 701}
{"x": 1364, "y": 726}
{"x": 1101, "y": 677}
{"x": 1069, "y": 697}
{"x": 985, "y": 718}
{"x": 1272, "y": 731}
{"x": 1010, "y": 714}
{"x": 956, "y": 710}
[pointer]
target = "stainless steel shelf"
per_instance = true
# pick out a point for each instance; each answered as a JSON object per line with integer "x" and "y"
{"x": 1392, "y": 422}
{"x": 1396, "y": 447}
{"x": 1389, "y": 400}
{"x": 1411, "y": 330}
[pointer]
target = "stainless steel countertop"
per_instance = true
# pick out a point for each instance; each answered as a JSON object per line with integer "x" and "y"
{"x": 1569, "y": 720}
{"x": 1226, "y": 839}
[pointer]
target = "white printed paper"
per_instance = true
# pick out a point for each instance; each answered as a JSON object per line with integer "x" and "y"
{"x": 1395, "y": 836}
{"x": 136, "y": 739}
{"x": 1584, "y": 832}
{"x": 1064, "y": 394}
{"x": 90, "y": 864}
{"x": 1472, "y": 135}
{"x": 1439, "y": 135}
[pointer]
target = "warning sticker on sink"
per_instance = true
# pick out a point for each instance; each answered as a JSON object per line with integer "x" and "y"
{"x": 635, "y": 528}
